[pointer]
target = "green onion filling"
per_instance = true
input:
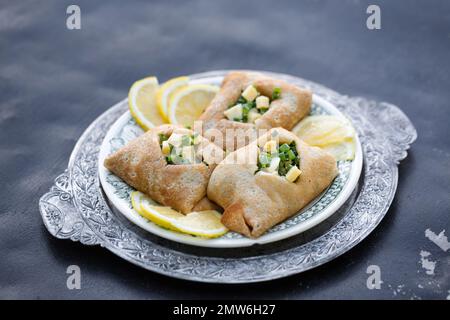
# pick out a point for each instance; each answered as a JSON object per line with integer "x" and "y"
{"x": 288, "y": 155}
{"x": 249, "y": 105}
{"x": 175, "y": 155}
{"x": 276, "y": 94}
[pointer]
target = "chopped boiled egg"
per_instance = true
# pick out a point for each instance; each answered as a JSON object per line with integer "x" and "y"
{"x": 273, "y": 167}
{"x": 293, "y": 174}
{"x": 175, "y": 139}
{"x": 234, "y": 113}
{"x": 253, "y": 115}
{"x": 270, "y": 146}
{"x": 196, "y": 139}
{"x": 188, "y": 153}
{"x": 262, "y": 102}
{"x": 250, "y": 93}
{"x": 165, "y": 148}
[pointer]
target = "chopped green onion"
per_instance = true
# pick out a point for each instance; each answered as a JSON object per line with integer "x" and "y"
{"x": 288, "y": 158}
{"x": 264, "y": 159}
{"x": 242, "y": 100}
{"x": 284, "y": 168}
{"x": 162, "y": 137}
{"x": 246, "y": 107}
{"x": 245, "y": 110}
{"x": 291, "y": 155}
{"x": 186, "y": 140}
{"x": 276, "y": 94}
{"x": 262, "y": 110}
{"x": 284, "y": 147}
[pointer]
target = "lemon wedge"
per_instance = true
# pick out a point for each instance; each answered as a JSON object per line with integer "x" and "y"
{"x": 165, "y": 93}
{"x": 205, "y": 224}
{"x": 142, "y": 103}
{"x": 188, "y": 103}
{"x": 331, "y": 133}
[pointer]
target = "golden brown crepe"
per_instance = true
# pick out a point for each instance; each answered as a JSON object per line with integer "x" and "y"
{"x": 143, "y": 166}
{"x": 293, "y": 105}
{"x": 254, "y": 202}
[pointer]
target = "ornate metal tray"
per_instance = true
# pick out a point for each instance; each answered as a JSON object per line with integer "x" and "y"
{"x": 76, "y": 208}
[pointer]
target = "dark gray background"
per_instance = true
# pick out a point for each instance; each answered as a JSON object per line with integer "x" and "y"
{"x": 54, "y": 82}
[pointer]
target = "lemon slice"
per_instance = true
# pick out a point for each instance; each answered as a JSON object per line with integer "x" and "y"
{"x": 203, "y": 224}
{"x": 342, "y": 151}
{"x": 165, "y": 93}
{"x": 137, "y": 198}
{"x": 142, "y": 103}
{"x": 162, "y": 216}
{"x": 331, "y": 133}
{"x": 324, "y": 130}
{"x": 188, "y": 103}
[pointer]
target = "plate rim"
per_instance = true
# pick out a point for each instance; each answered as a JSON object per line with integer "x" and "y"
{"x": 148, "y": 226}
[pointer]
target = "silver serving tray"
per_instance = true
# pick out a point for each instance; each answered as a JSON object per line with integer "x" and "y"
{"x": 76, "y": 208}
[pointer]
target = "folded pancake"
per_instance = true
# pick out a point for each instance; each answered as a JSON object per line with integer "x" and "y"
{"x": 268, "y": 181}
{"x": 249, "y": 101}
{"x": 170, "y": 164}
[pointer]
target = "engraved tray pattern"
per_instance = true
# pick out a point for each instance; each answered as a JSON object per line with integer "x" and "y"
{"x": 75, "y": 207}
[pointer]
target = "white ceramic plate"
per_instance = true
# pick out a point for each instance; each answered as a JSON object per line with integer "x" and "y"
{"x": 125, "y": 129}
